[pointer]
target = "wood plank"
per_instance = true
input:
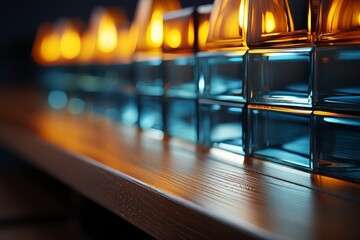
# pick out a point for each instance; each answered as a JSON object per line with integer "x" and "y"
{"x": 173, "y": 189}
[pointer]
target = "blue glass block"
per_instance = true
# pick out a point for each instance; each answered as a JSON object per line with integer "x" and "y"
{"x": 149, "y": 78}
{"x": 150, "y": 112}
{"x": 337, "y": 77}
{"x": 179, "y": 76}
{"x": 281, "y": 134}
{"x": 282, "y": 76}
{"x": 338, "y": 144}
{"x": 223, "y": 125}
{"x": 182, "y": 118}
{"x": 222, "y": 76}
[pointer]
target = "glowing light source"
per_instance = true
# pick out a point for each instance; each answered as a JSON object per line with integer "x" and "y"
{"x": 147, "y": 27}
{"x": 107, "y": 34}
{"x": 173, "y": 38}
{"x": 242, "y": 14}
{"x": 156, "y": 29}
{"x": 203, "y": 33}
{"x": 269, "y": 22}
{"x": 49, "y": 47}
{"x": 70, "y": 44}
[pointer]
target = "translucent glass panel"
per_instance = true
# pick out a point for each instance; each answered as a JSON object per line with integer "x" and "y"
{"x": 338, "y": 144}
{"x": 180, "y": 78}
{"x": 281, "y": 134}
{"x": 223, "y": 125}
{"x": 337, "y": 77}
{"x": 182, "y": 118}
{"x": 282, "y": 77}
{"x": 222, "y": 76}
{"x": 339, "y": 21}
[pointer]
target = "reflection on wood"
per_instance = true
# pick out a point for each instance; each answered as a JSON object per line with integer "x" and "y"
{"x": 174, "y": 189}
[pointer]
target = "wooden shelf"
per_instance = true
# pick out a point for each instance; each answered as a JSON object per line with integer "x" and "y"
{"x": 175, "y": 189}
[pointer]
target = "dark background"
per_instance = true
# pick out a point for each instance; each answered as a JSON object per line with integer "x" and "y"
{"x": 19, "y": 20}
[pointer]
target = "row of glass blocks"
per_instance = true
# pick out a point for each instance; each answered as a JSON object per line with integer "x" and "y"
{"x": 295, "y": 106}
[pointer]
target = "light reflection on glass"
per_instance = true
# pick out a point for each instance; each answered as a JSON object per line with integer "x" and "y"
{"x": 281, "y": 136}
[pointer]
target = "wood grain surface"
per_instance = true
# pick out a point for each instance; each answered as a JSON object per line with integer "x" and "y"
{"x": 174, "y": 189}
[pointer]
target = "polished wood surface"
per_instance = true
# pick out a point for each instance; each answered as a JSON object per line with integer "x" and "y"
{"x": 175, "y": 189}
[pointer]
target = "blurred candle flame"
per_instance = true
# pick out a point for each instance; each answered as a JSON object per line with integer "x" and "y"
{"x": 269, "y": 22}
{"x": 70, "y": 43}
{"x": 49, "y": 48}
{"x": 147, "y": 27}
{"x": 156, "y": 29}
{"x": 173, "y": 38}
{"x": 107, "y": 34}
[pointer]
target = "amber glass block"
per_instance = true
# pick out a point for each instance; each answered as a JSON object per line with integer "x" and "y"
{"x": 272, "y": 22}
{"x": 147, "y": 27}
{"x": 58, "y": 43}
{"x": 102, "y": 35}
{"x": 186, "y": 30}
{"x": 226, "y": 24}
{"x": 179, "y": 33}
{"x": 339, "y": 21}
{"x": 254, "y": 23}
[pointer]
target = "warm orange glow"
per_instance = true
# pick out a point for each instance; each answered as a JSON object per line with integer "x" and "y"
{"x": 156, "y": 29}
{"x": 225, "y": 23}
{"x": 126, "y": 45}
{"x": 191, "y": 34}
{"x": 107, "y": 34}
{"x": 203, "y": 33}
{"x": 269, "y": 22}
{"x": 173, "y": 38}
{"x": 70, "y": 43}
{"x": 242, "y": 14}
{"x": 87, "y": 47}
{"x": 50, "y": 47}
{"x": 333, "y": 17}
{"x": 359, "y": 19}
{"x": 147, "y": 27}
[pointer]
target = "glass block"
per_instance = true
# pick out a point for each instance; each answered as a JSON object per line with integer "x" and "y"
{"x": 182, "y": 118}
{"x": 338, "y": 144}
{"x": 236, "y": 23}
{"x": 148, "y": 76}
{"x": 186, "y": 29}
{"x": 147, "y": 26}
{"x": 179, "y": 76}
{"x": 151, "y": 112}
{"x": 337, "y": 77}
{"x": 281, "y": 134}
{"x": 282, "y": 76}
{"x": 223, "y": 125}
{"x": 222, "y": 75}
{"x": 339, "y": 22}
